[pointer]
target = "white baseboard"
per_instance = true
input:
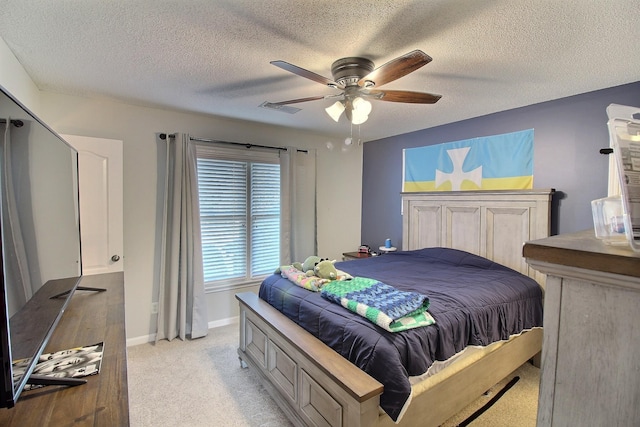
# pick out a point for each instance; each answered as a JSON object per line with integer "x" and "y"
{"x": 211, "y": 325}
{"x": 140, "y": 340}
{"x": 224, "y": 322}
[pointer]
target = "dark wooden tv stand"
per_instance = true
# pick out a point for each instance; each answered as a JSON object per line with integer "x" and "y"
{"x": 91, "y": 317}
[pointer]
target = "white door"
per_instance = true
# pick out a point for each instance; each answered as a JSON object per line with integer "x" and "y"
{"x": 101, "y": 208}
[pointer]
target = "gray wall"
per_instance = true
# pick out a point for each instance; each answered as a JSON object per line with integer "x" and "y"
{"x": 568, "y": 134}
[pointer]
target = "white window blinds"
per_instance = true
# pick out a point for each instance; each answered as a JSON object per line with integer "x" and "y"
{"x": 265, "y": 218}
{"x": 239, "y": 195}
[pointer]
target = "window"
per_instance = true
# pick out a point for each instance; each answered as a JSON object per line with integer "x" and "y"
{"x": 239, "y": 195}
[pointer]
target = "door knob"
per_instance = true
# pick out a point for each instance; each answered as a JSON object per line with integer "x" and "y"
{"x": 115, "y": 258}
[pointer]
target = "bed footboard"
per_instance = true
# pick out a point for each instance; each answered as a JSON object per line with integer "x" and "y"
{"x": 310, "y": 382}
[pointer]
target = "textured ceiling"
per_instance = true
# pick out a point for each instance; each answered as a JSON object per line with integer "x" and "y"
{"x": 212, "y": 56}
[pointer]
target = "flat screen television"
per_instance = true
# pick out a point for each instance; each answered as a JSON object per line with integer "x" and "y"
{"x": 40, "y": 234}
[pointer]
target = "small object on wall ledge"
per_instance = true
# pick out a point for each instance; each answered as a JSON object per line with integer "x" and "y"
{"x": 347, "y": 256}
{"x": 364, "y": 249}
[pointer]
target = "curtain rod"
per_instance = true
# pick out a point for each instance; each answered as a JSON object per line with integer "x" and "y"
{"x": 16, "y": 123}
{"x": 163, "y": 136}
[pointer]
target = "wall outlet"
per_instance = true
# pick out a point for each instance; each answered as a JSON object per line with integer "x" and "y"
{"x": 154, "y": 308}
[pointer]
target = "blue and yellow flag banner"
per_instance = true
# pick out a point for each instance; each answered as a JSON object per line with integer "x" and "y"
{"x": 499, "y": 162}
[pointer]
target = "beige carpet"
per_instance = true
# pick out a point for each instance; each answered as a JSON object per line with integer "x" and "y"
{"x": 200, "y": 383}
{"x": 197, "y": 383}
{"x": 516, "y": 408}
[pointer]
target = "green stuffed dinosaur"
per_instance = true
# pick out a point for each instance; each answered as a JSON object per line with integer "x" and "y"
{"x": 309, "y": 264}
{"x": 306, "y": 266}
{"x": 325, "y": 270}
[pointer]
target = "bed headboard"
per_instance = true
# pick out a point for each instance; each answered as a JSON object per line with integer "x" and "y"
{"x": 493, "y": 224}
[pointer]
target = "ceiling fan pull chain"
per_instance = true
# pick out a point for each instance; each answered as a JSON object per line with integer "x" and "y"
{"x": 351, "y": 136}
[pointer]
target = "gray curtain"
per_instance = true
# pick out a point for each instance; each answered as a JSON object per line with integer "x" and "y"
{"x": 298, "y": 216}
{"x": 15, "y": 257}
{"x": 182, "y": 310}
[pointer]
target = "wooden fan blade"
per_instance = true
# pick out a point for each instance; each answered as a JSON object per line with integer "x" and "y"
{"x": 296, "y": 101}
{"x": 306, "y": 74}
{"x": 396, "y": 68}
{"x": 404, "y": 96}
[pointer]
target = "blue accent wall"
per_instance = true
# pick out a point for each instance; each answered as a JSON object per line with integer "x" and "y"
{"x": 568, "y": 134}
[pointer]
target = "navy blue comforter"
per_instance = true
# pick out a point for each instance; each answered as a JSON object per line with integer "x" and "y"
{"x": 473, "y": 300}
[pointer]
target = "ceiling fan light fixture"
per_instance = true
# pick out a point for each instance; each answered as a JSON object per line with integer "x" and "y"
{"x": 361, "y": 106}
{"x": 355, "y": 77}
{"x": 359, "y": 119}
{"x": 360, "y": 110}
{"x": 335, "y": 110}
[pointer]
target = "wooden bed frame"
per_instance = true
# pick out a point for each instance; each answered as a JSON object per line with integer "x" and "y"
{"x": 315, "y": 386}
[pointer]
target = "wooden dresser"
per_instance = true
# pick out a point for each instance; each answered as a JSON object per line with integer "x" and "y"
{"x": 590, "y": 354}
{"x": 91, "y": 317}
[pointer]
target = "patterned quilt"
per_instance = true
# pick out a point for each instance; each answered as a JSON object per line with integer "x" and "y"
{"x": 380, "y": 303}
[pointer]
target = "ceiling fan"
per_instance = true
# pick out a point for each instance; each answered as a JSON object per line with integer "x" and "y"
{"x": 358, "y": 80}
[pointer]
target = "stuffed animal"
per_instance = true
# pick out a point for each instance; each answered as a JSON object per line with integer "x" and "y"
{"x": 306, "y": 267}
{"x": 325, "y": 270}
{"x": 296, "y": 265}
{"x": 310, "y": 263}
